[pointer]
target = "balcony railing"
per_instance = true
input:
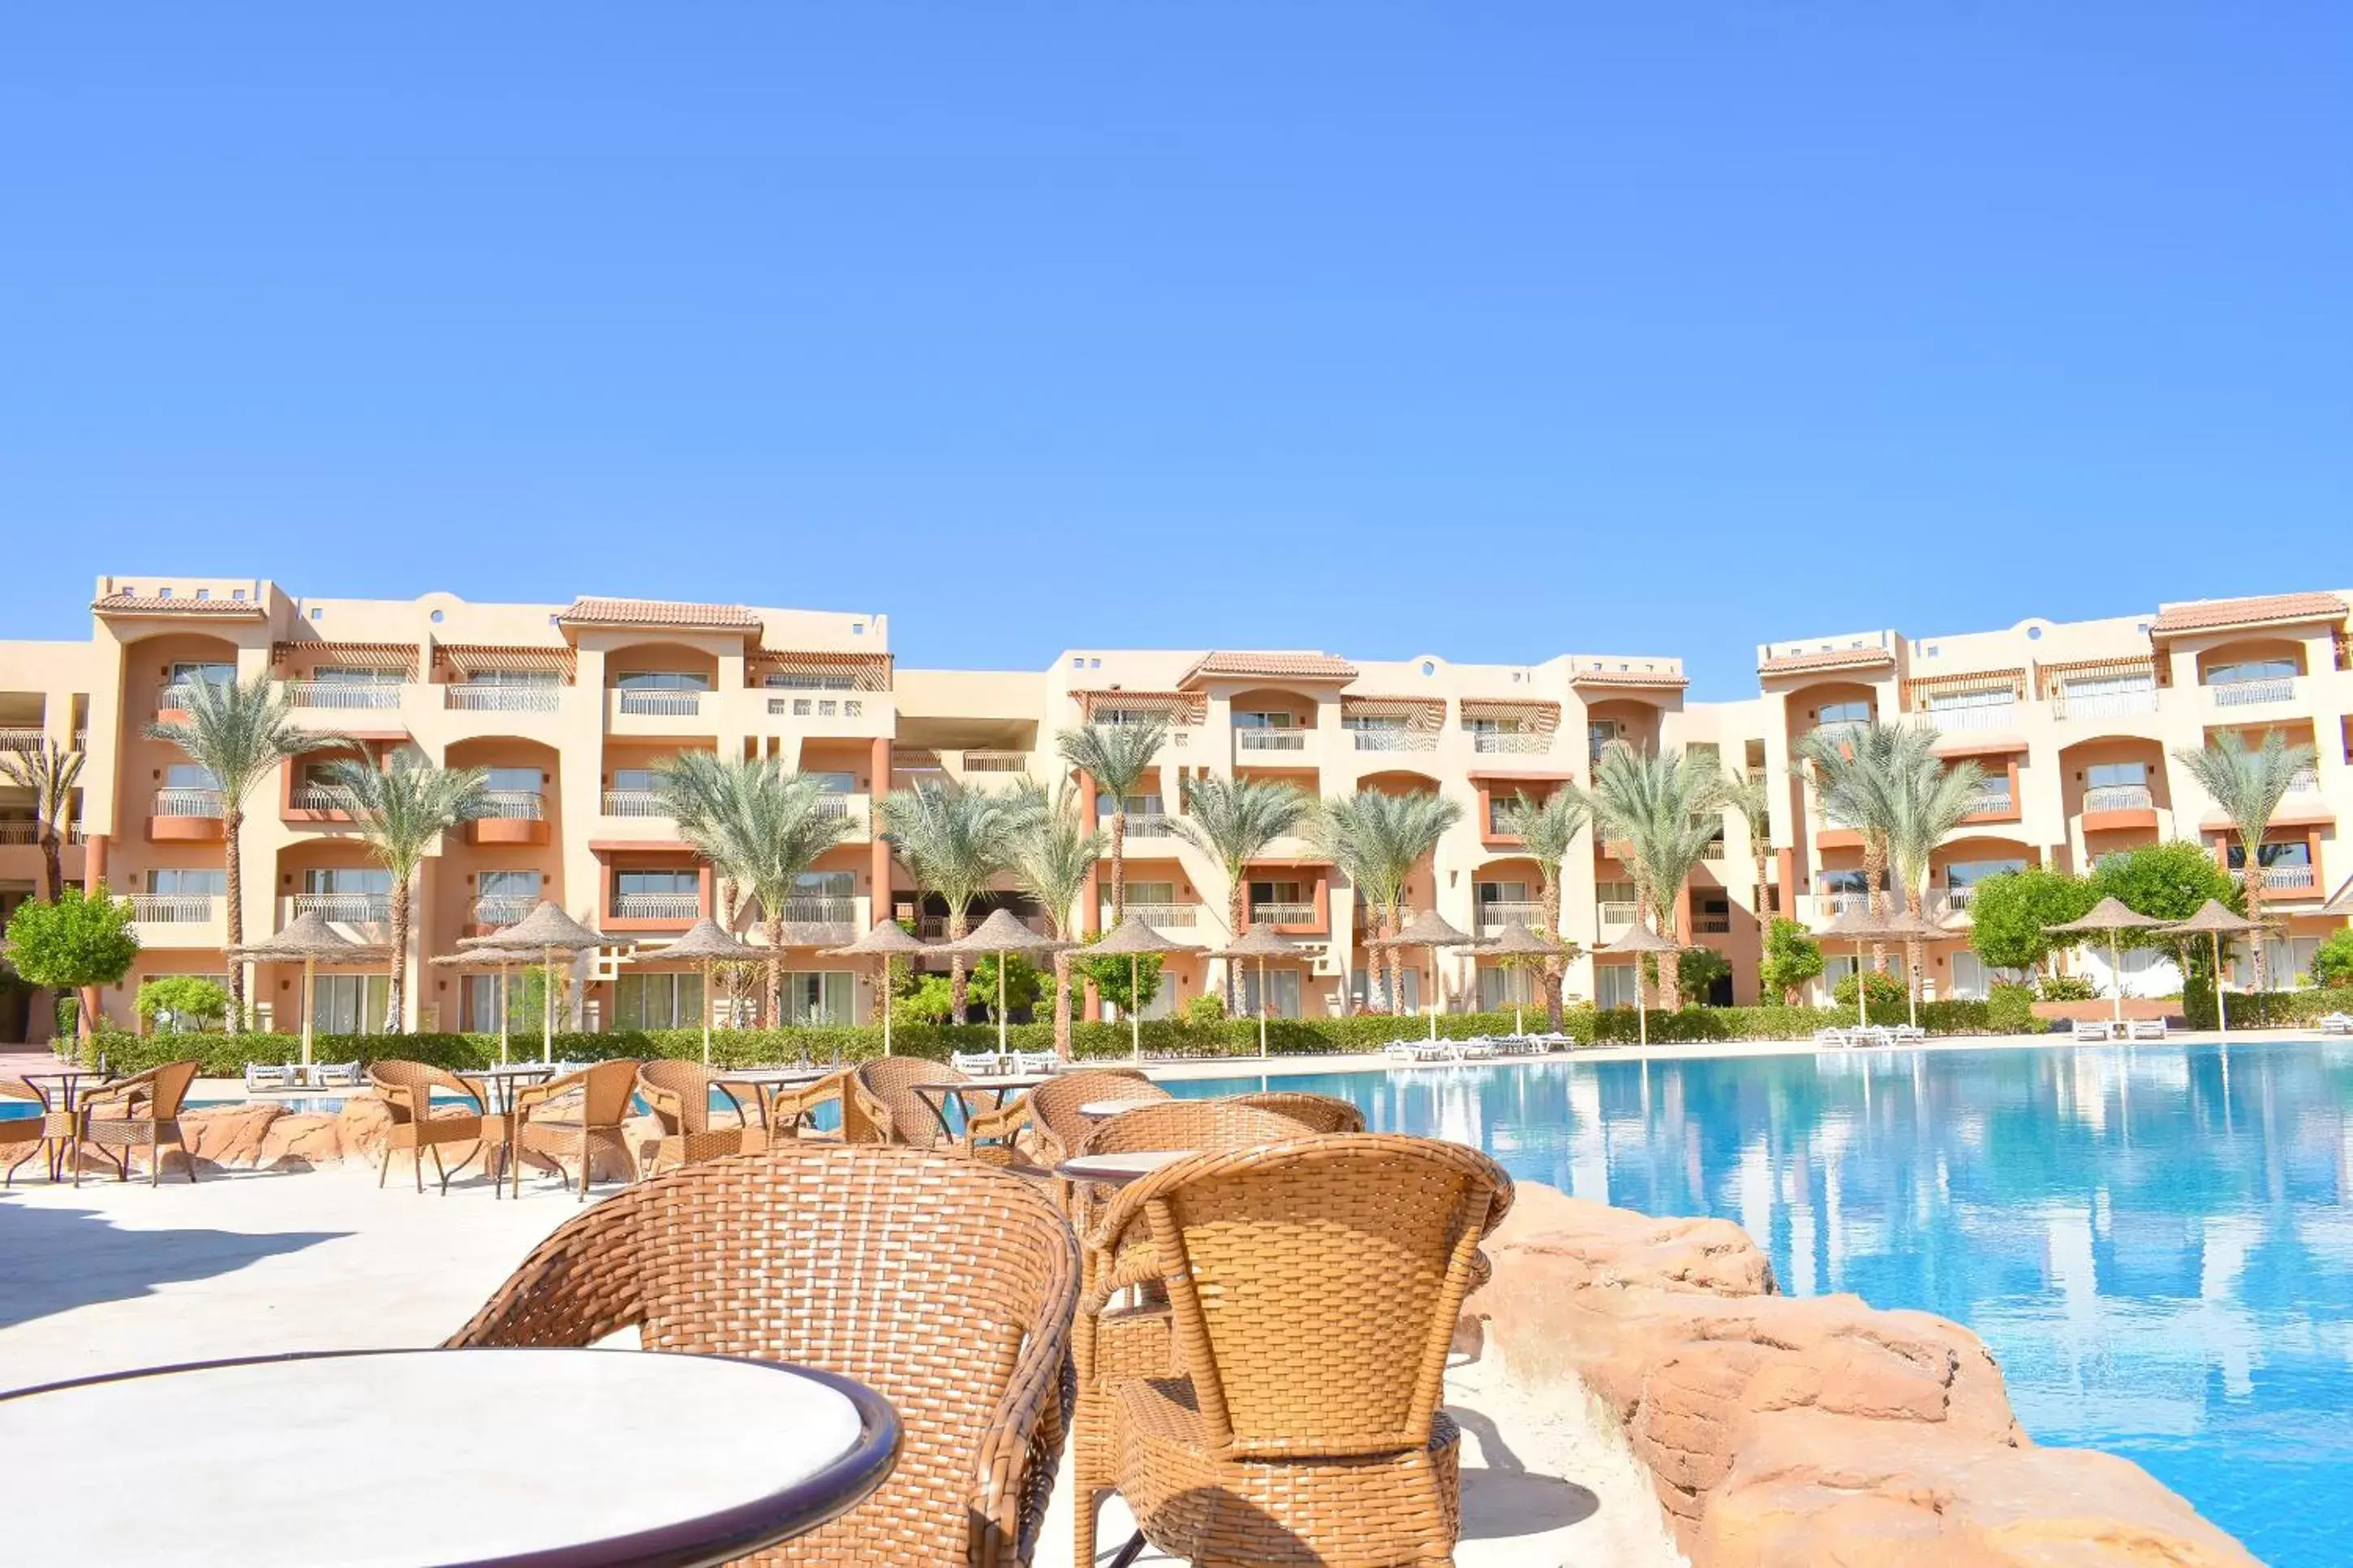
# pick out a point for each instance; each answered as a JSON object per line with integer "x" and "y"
{"x": 1271, "y": 740}
{"x": 1495, "y": 915}
{"x": 1715, "y": 850}
{"x": 513, "y": 805}
{"x": 174, "y": 909}
{"x": 176, "y": 698}
{"x": 14, "y": 739}
{"x": 1282, "y": 914}
{"x": 1711, "y": 925}
{"x": 19, "y": 830}
{"x": 2119, "y": 798}
{"x": 2244, "y": 693}
{"x": 487, "y": 697}
{"x": 1829, "y": 906}
{"x": 1618, "y": 911}
{"x": 82, "y": 740}
{"x": 1490, "y": 742}
{"x": 2288, "y": 877}
{"x": 1957, "y": 900}
{"x": 176, "y": 802}
{"x": 346, "y": 909}
{"x": 1994, "y": 803}
{"x": 633, "y": 803}
{"x": 1396, "y": 740}
{"x": 835, "y": 804}
{"x": 821, "y": 911}
{"x": 1989, "y": 716}
{"x": 1146, "y": 824}
{"x": 318, "y": 797}
{"x": 2305, "y": 782}
{"x": 662, "y": 704}
{"x": 1179, "y": 917}
{"x": 503, "y": 909}
{"x": 657, "y": 906}
{"x": 341, "y": 694}
{"x": 997, "y": 761}
{"x": 2103, "y": 704}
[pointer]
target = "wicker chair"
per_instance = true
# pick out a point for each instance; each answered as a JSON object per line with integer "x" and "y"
{"x": 678, "y": 1093}
{"x": 408, "y": 1089}
{"x": 1112, "y": 1344}
{"x": 595, "y": 1121}
{"x": 1307, "y": 1426}
{"x": 1317, "y": 1112}
{"x": 1055, "y": 1127}
{"x": 945, "y": 1286}
{"x": 889, "y": 1082}
{"x": 28, "y": 1131}
{"x": 142, "y": 1111}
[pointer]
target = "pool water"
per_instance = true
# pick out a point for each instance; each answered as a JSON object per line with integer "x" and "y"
{"x": 2156, "y": 1242}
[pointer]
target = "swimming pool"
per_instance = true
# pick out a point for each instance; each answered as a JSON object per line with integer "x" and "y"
{"x": 2157, "y": 1243}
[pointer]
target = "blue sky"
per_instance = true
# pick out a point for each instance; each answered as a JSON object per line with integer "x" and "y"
{"x": 1492, "y": 331}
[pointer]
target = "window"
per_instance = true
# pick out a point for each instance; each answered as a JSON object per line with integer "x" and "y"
{"x": 509, "y": 885}
{"x": 809, "y": 680}
{"x": 1501, "y": 812}
{"x": 2095, "y": 686}
{"x": 1151, "y": 893}
{"x": 186, "y": 672}
{"x": 1842, "y": 882}
{"x": 1275, "y": 893}
{"x": 1395, "y": 722}
{"x": 2295, "y": 852}
{"x": 1262, "y": 719}
{"x": 320, "y": 775}
{"x": 640, "y": 781}
{"x": 2251, "y": 669}
{"x": 1945, "y": 702}
{"x": 824, "y": 997}
{"x": 1502, "y": 988}
{"x": 1844, "y": 714}
{"x": 1973, "y": 979}
{"x": 631, "y": 884}
{"x": 350, "y": 1004}
{"x": 1137, "y": 805}
{"x": 834, "y": 783}
{"x": 1501, "y": 892}
{"x": 1969, "y": 873}
{"x": 826, "y": 885}
{"x": 1282, "y": 993}
{"x": 1599, "y": 734}
{"x": 662, "y": 681}
{"x": 1615, "y": 985}
{"x": 344, "y": 675}
{"x": 514, "y": 780}
{"x": 2114, "y": 776}
{"x": 193, "y": 881}
{"x": 189, "y": 776}
{"x": 1614, "y": 893}
{"x": 657, "y": 1002}
{"x": 513, "y": 677}
{"x": 346, "y": 881}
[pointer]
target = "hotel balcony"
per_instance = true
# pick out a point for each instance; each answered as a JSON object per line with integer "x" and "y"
{"x": 1711, "y": 925}
{"x": 1617, "y": 911}
{"x": 186, "y": 817}
{"x": 995, "y": 762}
{"x": 509, "y": 816}
{"x": 355, "y": 917}
{"x": 1510, "y": 743}
{"x": 2252, "y": 693}
{"x": 496, "y": 697}
{"x": 1270, "y": 748}
{"x": 21, "y": 739}
{"x": 681, "y": 907}
{"x": 341, "y": 696}
{"x": 177, "y": 920}
{"x": 855, "y": 808}
{"x": 1993, "y": 805}
{"x": 1274, "y": 914}
{"x": 1179, "y": 918}
{"x": 2291, "y": 879}
{"x": 634, "y": 803}
{"x": 1146, "y": 825}
{"x": 498, "y": 911}
{"x": 20, "y": 830}
{"x": 2001, "y": 718}
{"x": 1395, "y": 740}
{"x": 2119, "y": 798}
{"x": 1820, "y": 908}
{"x": 2105, "y": 704}
{"x": 1494, "y": 916}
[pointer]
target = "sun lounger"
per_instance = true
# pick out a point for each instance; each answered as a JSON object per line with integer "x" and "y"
{"x": 2092, "y": 1030}
{"x": 335, "y": 1075}
{"x": 1553, "y": 1042}
{"x": 1908, "y": 1035}
{"x": 1479, "y": 1048}
{"x": 1833, "y": 1039}
{"x": 2146, "y": 1030}
{"x": 975, "y": 1064}
{"x": 1878, "y": 1035}
{"x": 1034, "y": 1062}
{"x": 266, "y": 1075}
{"x": 2337, "y": 1024}
{"x": 1402, "y": 1051}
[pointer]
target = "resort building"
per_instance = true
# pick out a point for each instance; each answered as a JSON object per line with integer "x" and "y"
{"x": 575, "y": 708}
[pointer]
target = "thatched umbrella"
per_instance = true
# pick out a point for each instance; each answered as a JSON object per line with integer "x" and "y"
{"x": 1864, "y": 928}
{"x": 885, "y": 942}
{"x": 1000, "y": 934}
{"x": 708, "y": 943}
{"x": 546, "y": 930}
{"x": 1640, "y": 939}
{"x": 2215, "y": 920}
{"x": 2111, "y": 916}
{"x": 308, "y": 940}
{"x": 1132, "y": 940}
{"x": 1262, "y": 944}
{"x": 1517, "y": 942}
{"x": 1429, "y": 930}
{"x": 486, "y": 959}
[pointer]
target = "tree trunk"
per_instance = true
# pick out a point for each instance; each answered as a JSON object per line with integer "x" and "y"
{"x": 1670, "y": 979}
{"x": 1062, "y": 1005}
{"x": 396, "y": 1008}
{"x": 1238, "y": 921}
{"x": 2251, "y": 879}
{"x": 233, "y": 873}
{"x": 957, "y": 984}
{"x": 1119, "y": 864}
{"x": 1553, "y": 964}
{"x": 53, "y": 865}
{"x": 1874, "y": 872}
{"x": 727, "y": 902}
{"x": 1396, "y": 961}
{"x": 1763, "y": 913}
{"x": 772, "y": 930}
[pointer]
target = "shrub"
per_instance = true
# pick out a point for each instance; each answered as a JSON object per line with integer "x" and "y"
{"x": 2009, "y": 1009}
{"x": 1791, "y": 958}
{"x": 1208, "y": 1007}
{"x": 1886, "y": 993}
{"x": 78, "y": 941}
{"x": 2332, "y": 961}
{"x": 2010, "y": 914}
{"x": 2268, "y": 1009}
{"x": 182, "y": 1001}
{"x": 2066, "y": 988}
{"x": 1697, "y": 968}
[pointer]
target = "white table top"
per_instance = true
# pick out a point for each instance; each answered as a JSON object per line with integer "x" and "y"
{"x": 1100, "y": 1109}
{"x": 511, "y": 1070}
{"x": 1118, "y": 1170}
{"x": 773, "y": 1075}
{"x": 406, "y": 1458}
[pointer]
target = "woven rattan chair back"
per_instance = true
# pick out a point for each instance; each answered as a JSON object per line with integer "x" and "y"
{"x": 1197, "y": 1124}
{"x": 890, "y": 1081}
{"x": 946, "y": 1285}
{"x": 679, "y": 1095}
{"x": 605, "y": 1089}
{"x": 1054, "y": 1106}
{"x": 1337, "y": 1268}
{"x": 1317, "y": 1112}
{"x": 168, "y": 1090}
{"x": 407, "y": 1087}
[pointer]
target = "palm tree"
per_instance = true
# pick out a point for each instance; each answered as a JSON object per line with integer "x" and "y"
{"x": 49, "y": 774}
{"x": 1548, "y": 829}
{"x": 1745, "y": 794}
{"x": 760, "y": 825}
{"x": 1930, "y": 800}
{"x": 953, "y": 841}
{"x": 2248, "y": 785}
{"x": 399, "y": 810}
{"x": 1376, "y": 840}
{"x": 1857, "y": 778}
{"x": 1117, "y": 757}
{"x": 1666, "y": 810}
{"x": 1054, "y": 853}
{"x": 1232, "y": 821}
{"x": 239, "y": 732}
{"x": 694, "y": 788}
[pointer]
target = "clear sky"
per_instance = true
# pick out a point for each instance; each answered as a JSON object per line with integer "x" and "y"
{"x": 1492, "y": 331}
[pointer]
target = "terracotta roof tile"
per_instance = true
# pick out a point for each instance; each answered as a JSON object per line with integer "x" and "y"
{"x": 1625, "y": 678}
{"x": 157, "y": 605}
{"x": 587, "y": 612}
{"x": 1834, "y": 658}
{"x": 2200, "y": 615}
{"x": 1228, "y": 665}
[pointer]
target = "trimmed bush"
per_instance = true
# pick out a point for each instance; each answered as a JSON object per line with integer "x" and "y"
{"x": 2268, "y": 1009}
{"x": 2009, "y": 1010}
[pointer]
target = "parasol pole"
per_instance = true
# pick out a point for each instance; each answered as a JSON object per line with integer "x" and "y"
{"x": 504, "y": 969}
{"x": 886, "y": 1004}
{"x": 1261, "y": 1008}
{"x": 706, "y": 1011}
{"x": 2116, "y": 975}
{"x": 1000, "y": 1003}
{"x": 310, "y": 995}
{"x": 547, "y": 1009}
{"x": 1861, "y": 991}
{"x": 1134, "y": 1020}
{"x": 2221, "y": 1017}
{"x": 1435, "y": 984}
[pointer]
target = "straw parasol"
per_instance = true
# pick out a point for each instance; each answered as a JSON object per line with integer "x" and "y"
{"x": 885, "y": 942}
{"x": 1132, "y": 940}
{"x": 1640, "y": 939}
{"x": 308, "y": 939}
{"x": 1864, "y": 928}
{"x": 491, "y": 958}
{"x": 546, "y": 930}
{"x": 1516, "y": 941}
{"x": 2215, "y": 920}
{"x": 1262, "y": 944}
{"x": 1429, "y": 930}
{"x": 2111, "y": 916}
{"x": 708, "y": 943}
{"x": 999, "y": 935}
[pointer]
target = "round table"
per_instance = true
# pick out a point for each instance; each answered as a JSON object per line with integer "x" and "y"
{"x": 766, "y": 1083}
{"x": 1104, "y": 1110}
{"x": 936, "y": 1095}
{"x": 409, "y": 1458}
{"x": 501, "y": 1080}
{"x": 59, "y": 1123}
{"x": 1118, "y": 1170}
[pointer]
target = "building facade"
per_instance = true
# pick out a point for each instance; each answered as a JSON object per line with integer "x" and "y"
{"x": 575, "y": 708}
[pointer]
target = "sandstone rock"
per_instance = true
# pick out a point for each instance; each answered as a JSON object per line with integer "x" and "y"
{"x": 359, "y": 1127}
{"x": 298, "y": 1140}
{"x": 229, "y": 1135}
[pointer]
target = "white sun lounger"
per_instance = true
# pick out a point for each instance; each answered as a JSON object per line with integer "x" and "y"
{"x": 1908, "y": 1035}
{"x": 1033, "y": 1061}
{"x": 2337, "y": 1024}
{"x": 270, "y": 1075}
{"x": 2145, "y": 1029}
{"x": 1832, "y": 1040}
{"x": 975, "y": 1064}
{"x": 2092, "y": 1030}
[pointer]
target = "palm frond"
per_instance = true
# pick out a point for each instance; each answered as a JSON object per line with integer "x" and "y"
{"x": 1116, "y": 756}
{"x": 399, "y": 808}
{"x": 954, "y": 840}
{"x": 240, "y": 732}
{"x": 1233, "y": 820}
{"x": 1054, "y": 853}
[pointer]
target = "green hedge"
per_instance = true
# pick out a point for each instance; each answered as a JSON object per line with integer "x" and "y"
{"x": 225, "y": 1056}
{"x": 2267, "y": 1009}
